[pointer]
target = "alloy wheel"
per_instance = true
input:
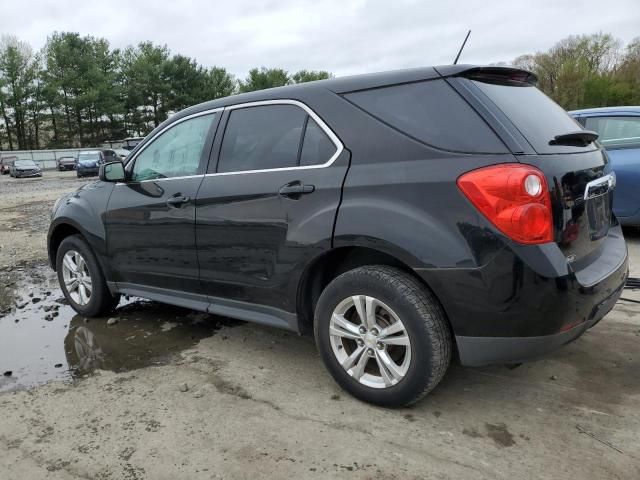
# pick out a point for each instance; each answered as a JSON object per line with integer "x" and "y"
{"x": 370, "y": 341}
{"x": 77, "y": 278}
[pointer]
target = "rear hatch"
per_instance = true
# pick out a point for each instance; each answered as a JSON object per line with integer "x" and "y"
{"x": 540, "y": 133}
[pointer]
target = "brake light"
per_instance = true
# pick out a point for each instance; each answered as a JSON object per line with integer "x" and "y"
{"x": 514, "y": 197}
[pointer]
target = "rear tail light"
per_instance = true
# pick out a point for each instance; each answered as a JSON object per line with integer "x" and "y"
{"x": 515, "y": 198}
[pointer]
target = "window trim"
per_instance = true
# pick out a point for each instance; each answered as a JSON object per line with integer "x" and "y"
{"x": 153, "y": 139}
{"x": 325, "y": 128}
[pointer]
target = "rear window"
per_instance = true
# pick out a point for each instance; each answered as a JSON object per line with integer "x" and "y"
{"x": 432, "y": 113}
{"x": 616, "y": 132}
{"x": 538, "y": 118}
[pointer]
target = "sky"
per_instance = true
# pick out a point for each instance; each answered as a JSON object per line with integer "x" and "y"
{"x": 343, "y": 37}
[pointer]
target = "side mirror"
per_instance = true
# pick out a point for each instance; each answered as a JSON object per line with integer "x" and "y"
{"x": 112, "y": 172}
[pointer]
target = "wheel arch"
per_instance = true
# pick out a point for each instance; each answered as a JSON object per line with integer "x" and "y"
{"x": 329, "y": 265}
{"x": 65, "y": 227}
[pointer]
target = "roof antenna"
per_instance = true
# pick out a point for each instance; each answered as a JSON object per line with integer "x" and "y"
{"x": 462, "y": 47}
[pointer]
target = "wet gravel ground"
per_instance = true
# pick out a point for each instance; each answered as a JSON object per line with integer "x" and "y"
{"x": 154, "y": 391}
{"x": 43, "y": 339}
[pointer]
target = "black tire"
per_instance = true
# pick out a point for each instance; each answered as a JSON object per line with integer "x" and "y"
{"x": 424, "y": 320}
{"x": 101, "y": 301}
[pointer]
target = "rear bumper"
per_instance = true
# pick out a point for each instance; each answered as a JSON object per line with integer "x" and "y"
{"x": 508, "y": 311}
{"x": 631, "y": 221}
{"x": 479, "y": 351}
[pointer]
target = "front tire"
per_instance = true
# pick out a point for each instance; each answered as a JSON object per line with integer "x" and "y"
{"x": 382, "y": 335}
{"x": 81, "y": 278}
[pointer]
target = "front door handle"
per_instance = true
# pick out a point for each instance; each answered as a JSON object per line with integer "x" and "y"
{"x": 295, "y": 189}
{"x": 178, "y": 200}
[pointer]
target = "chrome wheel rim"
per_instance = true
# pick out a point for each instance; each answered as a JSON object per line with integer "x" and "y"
{"x": 370, "y": 341}
{"x": 76, "y": 277}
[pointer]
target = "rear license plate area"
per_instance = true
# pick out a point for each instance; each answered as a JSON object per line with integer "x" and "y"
{"x": 599, "y": 215}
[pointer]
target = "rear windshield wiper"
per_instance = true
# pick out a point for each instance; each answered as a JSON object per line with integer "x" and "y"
{"x": 579, "y": 138}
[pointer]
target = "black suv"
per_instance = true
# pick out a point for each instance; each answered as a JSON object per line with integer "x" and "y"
{"x": 402, "y": 217}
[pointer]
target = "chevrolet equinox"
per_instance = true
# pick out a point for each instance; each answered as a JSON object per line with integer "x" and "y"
{"x": 401, "y": 217}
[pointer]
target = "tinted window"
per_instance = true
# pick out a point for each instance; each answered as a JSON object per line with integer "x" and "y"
{"x": 176, "y": 152}
{"x": 262, "y": 137}
{"x": 24, "y": 163}
{"x": 89, "y": 157}
{"x": 317, "y": 147}
{"x": 616, "y": 132}
{"x": 431, "y": 112}
{"x": 535, "y": 115}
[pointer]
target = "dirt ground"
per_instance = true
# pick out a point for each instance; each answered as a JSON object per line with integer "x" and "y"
{"x": 162, "y": 393}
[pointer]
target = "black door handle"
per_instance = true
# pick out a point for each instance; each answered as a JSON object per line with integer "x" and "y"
{"x": 295, "y": 189}
{"x": 177, "y": 201}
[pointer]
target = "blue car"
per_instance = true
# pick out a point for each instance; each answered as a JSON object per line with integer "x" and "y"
{"x": 619, "y": 130}
{"x": 89, "y": 163}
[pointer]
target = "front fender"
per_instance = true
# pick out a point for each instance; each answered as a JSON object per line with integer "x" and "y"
{"x": 84, "y": 211}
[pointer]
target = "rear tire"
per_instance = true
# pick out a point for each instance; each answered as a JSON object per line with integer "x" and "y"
{"x": 406, "y": 338}
{"x": 81, "y": 278}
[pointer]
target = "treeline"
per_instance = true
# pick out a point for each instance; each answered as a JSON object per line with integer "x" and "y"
{"x": 78, "y": 91}
{"x": 588, "y": 71}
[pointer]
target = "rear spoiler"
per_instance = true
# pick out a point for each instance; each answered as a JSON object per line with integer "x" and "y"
{"x": 490, "y": 74}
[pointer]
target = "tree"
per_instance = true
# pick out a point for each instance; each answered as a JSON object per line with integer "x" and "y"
{"x": 259, "y": 79}
{"x": 219, "y": 83}
{"x": 310, "y": 76}
{"x": 145, "y": 80}
{"x": 17, "y": 72}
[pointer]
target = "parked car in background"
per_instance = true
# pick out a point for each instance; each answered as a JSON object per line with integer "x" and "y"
{"x": 66, "y": 163}
{"x": 89, "y": 162}
{"x": 109, "y": 155}
{"x": 122, "y": 153}
{"x": 25, "y": 168}
{"x": 5, "y": 163}
{"x": 402, "y": 217}
{"x": 619, "y": 130}
{"x": 131, "y": 142}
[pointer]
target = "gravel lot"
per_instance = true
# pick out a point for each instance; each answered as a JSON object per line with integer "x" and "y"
{"x": 160, "y": 392}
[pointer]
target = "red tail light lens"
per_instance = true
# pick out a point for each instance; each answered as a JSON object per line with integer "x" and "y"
{"x": 514, "y": 197}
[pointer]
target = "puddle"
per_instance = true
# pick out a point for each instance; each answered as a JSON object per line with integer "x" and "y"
{"x": 43, "y": 339}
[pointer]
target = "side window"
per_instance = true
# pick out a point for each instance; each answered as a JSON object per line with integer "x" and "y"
{"x": 616, "y": 132}
{"x": 317, "y": 147}
{"x": 430, "y": 112}
{"x": 176, "y": 152}
{"x": 258, "y": 138}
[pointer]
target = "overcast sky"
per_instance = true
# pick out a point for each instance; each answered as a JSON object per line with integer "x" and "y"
{"x": 341, "y": 36}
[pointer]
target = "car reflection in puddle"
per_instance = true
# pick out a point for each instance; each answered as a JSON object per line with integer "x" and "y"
{"x": 43, "y": 339}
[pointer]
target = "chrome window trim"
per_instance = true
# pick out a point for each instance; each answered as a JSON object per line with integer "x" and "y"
{"x": 325, "y": 128}
{"x": 156, "y": 135}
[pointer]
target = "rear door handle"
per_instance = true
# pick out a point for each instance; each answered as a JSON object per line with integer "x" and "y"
{"x": 177, "y": 201}
{"x": 295, "y": 189}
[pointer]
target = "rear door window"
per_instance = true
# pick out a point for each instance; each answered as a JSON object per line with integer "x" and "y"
{"x": 616, "y": 132}
{"x": 317, "y": 147}
{"x": 262, "y": 137}
{"x": 432, "y": 113}
{"x": 538, "y": 118}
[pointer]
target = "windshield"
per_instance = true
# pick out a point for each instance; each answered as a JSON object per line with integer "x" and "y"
{"x": 535, "y": 115}
{"x": 24, "y": 163}
{"x": 89, "y": 157}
